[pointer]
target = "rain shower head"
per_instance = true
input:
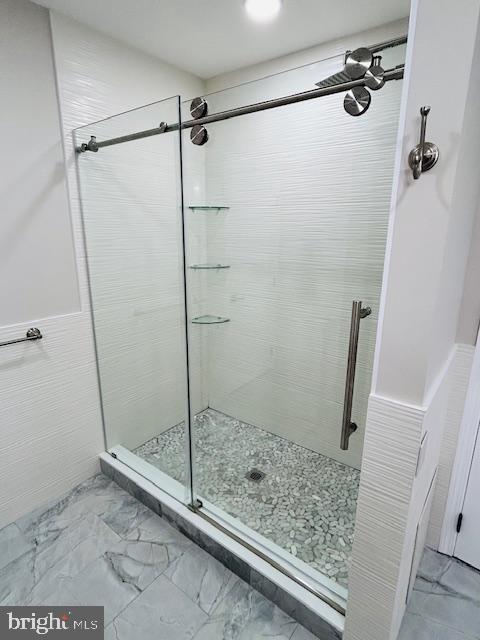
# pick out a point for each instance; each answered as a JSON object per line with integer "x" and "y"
{"x": 360, "y": 64}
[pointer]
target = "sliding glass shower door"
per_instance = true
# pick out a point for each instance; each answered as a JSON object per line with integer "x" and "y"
{"x": 131, "y": 198}
{"x": 286, "y": 227}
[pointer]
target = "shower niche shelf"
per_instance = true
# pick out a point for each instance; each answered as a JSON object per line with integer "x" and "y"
{"x": 210, "y": 320}
{"x": 214, "y": 209}
{"x": 199, "y": 267}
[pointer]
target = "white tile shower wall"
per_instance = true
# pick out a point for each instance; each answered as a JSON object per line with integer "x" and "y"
{"x": 309, "y": 193}
{"x": 50, "y": 423}
{"x": 99, "y": 77}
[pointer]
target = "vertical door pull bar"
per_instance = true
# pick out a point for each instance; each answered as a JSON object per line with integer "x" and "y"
{"x": 348, "y": 427}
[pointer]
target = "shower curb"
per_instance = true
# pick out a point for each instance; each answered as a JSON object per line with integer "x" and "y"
{"x": 296, "y": 609}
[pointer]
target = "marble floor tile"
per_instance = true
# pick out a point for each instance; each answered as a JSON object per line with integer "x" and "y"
{"x": 201, "y": 577}
{"x": 463, "y": 580}
{"x": 146, "y": 551}
{"x": 417, "y": 600}
{"x": 13, "y": 544}
{"x": 416, "y": 627}
{"x": 161, "y": 612}
{"x": 60, "y": 595}
{"x": 453, "y": 611}
{"x": 154, "y": 528}
{"x": 45, "y": 524}
{"x": 126, "y": 516}
{"x": 76, "y": 547}
{"x": 96, "y": 523}
{"x": 301, "y": 633}
{"x": 445, "y": 601}
{"x": 100, "y": 583}
{"x": 97, "y": 496}
{"x": 110, "y": 632}
{"x": 17, "y": 580}
{"x": 244, "y": 614}
{"x": 139, "y": 562}
{"x": 433, "y": 565}
{"x": 36, "y": 575}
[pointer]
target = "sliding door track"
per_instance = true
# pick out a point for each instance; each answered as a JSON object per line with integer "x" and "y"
{"x": 197, "y": 508}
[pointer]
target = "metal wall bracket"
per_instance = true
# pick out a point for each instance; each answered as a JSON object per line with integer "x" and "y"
{"x": 361, "y": 64}
{"x": 199, "y": 135}
{"x": 198, "y": 109}
{"x": 425, "y": 155}
{"x": 91, "y": 145}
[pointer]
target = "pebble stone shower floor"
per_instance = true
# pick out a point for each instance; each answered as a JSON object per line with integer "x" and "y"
{"x": 305, "y": 503}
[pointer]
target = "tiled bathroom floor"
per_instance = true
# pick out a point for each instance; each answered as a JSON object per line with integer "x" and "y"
{"x": 305, "y": 503}
{"x": 445, "y": 602}
{"x": 100, "y": 546}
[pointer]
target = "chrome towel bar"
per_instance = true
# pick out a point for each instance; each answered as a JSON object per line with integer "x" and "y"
{"x": 32, "y": 334}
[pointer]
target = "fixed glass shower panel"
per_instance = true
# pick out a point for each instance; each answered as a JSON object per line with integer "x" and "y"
{"x": 131, "y": 204}
{"x": 285, "y": 230}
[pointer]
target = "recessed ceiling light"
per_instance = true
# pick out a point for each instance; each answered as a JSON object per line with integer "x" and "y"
{"x": 263, "y": 10}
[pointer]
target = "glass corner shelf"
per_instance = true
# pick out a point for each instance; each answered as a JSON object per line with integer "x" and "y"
{"x": 207, "y": 208}
{"x": 209, "y": 320}
{"x": 209, "y": 266}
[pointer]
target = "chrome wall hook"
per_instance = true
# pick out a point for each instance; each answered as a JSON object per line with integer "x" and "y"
{"x": 425, "y": 155}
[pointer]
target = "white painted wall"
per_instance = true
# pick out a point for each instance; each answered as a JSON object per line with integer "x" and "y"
{"x": 469, "y": 319}
{"x": 308, "y": 189}
{"x": 37, "y": 258}
{"x": 461, "y": 369}
{"x": 436, "y": 240}
{"x": 131, "y": 204}
{"x": 49, "y": 410}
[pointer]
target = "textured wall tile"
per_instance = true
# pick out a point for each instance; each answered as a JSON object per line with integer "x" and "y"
{"x": 49, "y": 412}
{"x": 390, "y": 505}
{"x": 388, "y": 471}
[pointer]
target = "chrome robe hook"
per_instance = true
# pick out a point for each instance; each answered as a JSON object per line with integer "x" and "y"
{"x": 425, "y": 155}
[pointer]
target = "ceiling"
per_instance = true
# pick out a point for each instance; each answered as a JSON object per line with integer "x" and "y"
{"x": 209, "y": 37}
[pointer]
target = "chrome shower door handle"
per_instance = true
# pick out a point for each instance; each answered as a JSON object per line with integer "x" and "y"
{"x": 349, "y": 427}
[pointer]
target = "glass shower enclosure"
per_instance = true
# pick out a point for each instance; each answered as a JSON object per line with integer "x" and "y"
{"x": 222, "y": 278}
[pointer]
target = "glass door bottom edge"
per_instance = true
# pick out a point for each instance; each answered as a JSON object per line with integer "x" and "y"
{"x": 304, "y": 575}
{"x": 314, "y": 578}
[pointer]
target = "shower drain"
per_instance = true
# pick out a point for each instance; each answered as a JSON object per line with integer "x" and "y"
{"x": 255, "y": 475}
